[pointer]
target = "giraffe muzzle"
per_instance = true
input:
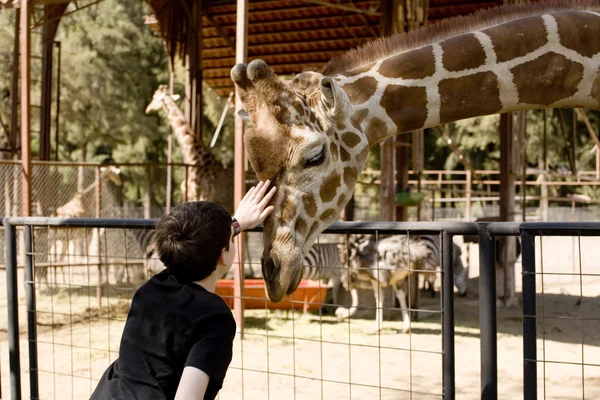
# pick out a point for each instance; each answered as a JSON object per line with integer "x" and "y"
{"x": 281, "y": 276}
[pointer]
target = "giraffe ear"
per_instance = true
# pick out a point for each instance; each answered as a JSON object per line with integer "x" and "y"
{"x": 175, "y": 97}
{"x": 330, "y": 95}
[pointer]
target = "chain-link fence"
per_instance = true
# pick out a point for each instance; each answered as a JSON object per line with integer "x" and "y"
{"x": 94, "y": 190}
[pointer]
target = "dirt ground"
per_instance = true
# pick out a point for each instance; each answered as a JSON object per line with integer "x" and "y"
{"x": 286, "y": 355}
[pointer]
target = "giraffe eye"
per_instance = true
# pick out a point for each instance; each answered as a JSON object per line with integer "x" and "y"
{"x": 316, "y": 159}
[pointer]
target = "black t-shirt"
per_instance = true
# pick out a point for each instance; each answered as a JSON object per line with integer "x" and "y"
{"x": 171, "y": 325}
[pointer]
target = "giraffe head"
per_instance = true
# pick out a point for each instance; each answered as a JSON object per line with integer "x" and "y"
{"x": 158, "y": 98}
{"x": 112, "y": 173}
{"x": 304, "y": 138}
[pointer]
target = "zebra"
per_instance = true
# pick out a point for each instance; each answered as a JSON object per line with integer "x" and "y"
{"x": 377, "y": 264}
{"x": 459, "y": 271}
{"x": 144, "y": 239}
{"x": 322, "y": 263}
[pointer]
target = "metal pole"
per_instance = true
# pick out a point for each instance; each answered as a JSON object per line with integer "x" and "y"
{"x": 31, "y": 313}
{"x": 25, "y": 110}
{"x": 529, "y": 318}
{"x": 469, "y": 188}
{"x": 241, "y": 55}
{"x": 12, "y": 297}
{"x": 15, "y": 84}
{"x": 448, "y": 318}
{"x": 169, "y": 194}
{"x": 487, "y": 315}
{"x": 57, "y": 118}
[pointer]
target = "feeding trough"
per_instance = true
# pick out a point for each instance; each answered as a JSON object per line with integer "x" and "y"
{"x": 309, "y": 295}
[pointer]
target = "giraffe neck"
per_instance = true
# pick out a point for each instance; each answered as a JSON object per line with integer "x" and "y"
{"x": 543, "y": 61}
{"x": 192, "y": 148}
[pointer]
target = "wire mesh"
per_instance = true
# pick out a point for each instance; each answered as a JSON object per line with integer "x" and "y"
{"x": 300, "y": 348}
{"x": 567, "y": 318}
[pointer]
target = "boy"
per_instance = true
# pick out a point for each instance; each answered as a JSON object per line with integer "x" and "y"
{"x": 177, "y": 341}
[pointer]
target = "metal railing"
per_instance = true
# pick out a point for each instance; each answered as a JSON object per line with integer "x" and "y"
{"x": 487, "y": 302}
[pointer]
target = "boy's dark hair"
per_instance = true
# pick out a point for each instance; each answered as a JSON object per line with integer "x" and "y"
{"x": 190, "y": 239}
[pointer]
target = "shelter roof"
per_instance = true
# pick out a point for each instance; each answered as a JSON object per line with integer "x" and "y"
{"x": 290, "y": 35}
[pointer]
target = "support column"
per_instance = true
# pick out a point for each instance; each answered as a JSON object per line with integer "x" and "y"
{"x": 197, "y": 12}
{"x": 241, "y": 56}
{"x": 544, "y": 167}
{"x": 15, "y": 84}
{"x": 507, "y": 207}
{"x": 52, "y": 15}
{"x": 191, "y": 57}
{"x": 25, "y": 109}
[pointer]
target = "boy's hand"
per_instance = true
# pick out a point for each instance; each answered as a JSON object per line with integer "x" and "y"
{"x": 253, "y": 209}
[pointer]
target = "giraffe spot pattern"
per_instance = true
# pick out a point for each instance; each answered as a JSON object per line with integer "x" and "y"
{"x": 314, "y": 227}
{"x": 350, "y": 176}
{"x": 358, "y": 117}
{"x": 342, "y": 200}
{"x": 344, "y": 155}
{"x": 406, "y": 106}
{"x": 547, "y": 79}
{"x": 328, "y": 214}
{"x": 360, "y": 90}
{"x": 301, "y": 226}
{"x": 596, "y": 89}
{"x": 340, "y": 124}
{"x": 530, "y": 31}
{"x": 579, "y": 31}
{"x": 376, "y": 128}
{"x": 461, "y": 97}
{"x": 289, "y": 211}
{"x": 299, "y": 108}
{"x": 350, "y": 139}
{"x": 310, "y": 205}
{"x": 415, "y": 64}
{"x": 329, "y": 187}
{"x": 334, "y": 150}
{"x": 462, "y": 52}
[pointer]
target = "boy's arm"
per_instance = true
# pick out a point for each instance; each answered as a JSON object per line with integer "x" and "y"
{"x": 192, "y": 385}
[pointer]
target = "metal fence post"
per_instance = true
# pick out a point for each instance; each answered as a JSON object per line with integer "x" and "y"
{"x": 487, "y": 314}
{"x": 448, "y": 318}
{"x": 31, "y": 314}
{"x": 529, "y": 318}
{"x": 12, "y": 298}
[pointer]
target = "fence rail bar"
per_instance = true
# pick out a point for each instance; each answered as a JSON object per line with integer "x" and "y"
{"x": 12, "y": 297}
{"x": 487, "y": 315}
{"x": 453, "y": 228}
{"x": 529, "y": 318}
{"x": 544, "y": 228}
{"x": 31, "y": 314}
{"x": 448, "y": 316}
{"x": 122, "y": 223}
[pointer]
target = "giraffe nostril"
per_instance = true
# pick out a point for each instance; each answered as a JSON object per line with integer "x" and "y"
{"x": 268, "y": 269}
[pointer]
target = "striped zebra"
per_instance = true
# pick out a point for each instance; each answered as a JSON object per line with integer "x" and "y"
{"x": 322, "y": 263}
{"x": 460, "y": 272}
{"x": 376, "y": 263}
{"x": 144, "y": 239}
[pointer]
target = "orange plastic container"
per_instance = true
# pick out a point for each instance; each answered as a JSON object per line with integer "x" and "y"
{"x": 310, "y": 295}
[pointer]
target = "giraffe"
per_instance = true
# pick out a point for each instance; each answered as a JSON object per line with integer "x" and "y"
{"x": 81, "y": 205}
{"x": 311, "y": 136}
{"x": 206, "y": 172}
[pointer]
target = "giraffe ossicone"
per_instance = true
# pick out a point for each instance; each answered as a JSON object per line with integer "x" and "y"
{"x": 311, "y": 136}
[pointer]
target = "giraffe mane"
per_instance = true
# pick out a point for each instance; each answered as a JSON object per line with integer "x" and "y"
{"x": 402, "y": 42}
